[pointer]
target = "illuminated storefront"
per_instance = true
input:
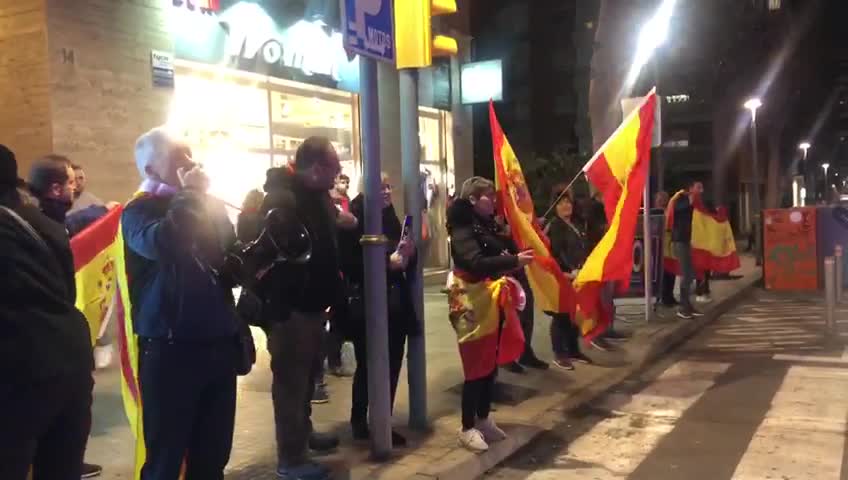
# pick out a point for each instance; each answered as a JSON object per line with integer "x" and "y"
{"x": 252, "y": 80}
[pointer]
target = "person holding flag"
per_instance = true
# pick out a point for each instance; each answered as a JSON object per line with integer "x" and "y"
{"x": 182, "y": 317}
{"x": 484, "y": 303}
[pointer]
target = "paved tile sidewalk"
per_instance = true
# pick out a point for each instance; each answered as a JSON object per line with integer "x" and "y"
{"x": 434, "y": 454}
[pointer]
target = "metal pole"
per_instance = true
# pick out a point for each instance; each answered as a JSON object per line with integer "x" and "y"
{"x": 647, "y": 247}
{"x": 837, "y": 258}
{"x": 374, "y": 253}
{"x": 416, "y": 361}
{"x": 829, "y": 294}
{"x": 756, "y": 197}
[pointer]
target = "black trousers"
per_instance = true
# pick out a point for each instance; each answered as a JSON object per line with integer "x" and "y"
{"x": 46, "y": 425}
{"x": 477, "y": 400}
{"x": 397, "y": 346}
{"x": 667, "y": 294}
{"x": 189, "y": 395}
{"x": 565, "y": 336}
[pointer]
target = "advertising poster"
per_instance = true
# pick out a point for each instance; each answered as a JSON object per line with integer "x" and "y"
{"x": 789, "y": 249}
{"x": 832, "y": 227}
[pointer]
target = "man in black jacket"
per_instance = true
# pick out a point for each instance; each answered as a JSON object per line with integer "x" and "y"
{"x": 183, "y": 313}
{"x": 297, "y": 299}
{"x": 45, "y": 350}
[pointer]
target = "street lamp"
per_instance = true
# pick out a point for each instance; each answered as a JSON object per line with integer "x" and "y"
{"x": 753, "y": 104}
{"x": 800, "y": 177}
{"x": 825, "y": 166}
{"x": 652, "y": 35}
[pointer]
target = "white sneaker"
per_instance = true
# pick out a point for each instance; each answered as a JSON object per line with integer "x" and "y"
{"x": 703, "y": 299}
{"x": 472, "y": 439}
{"x": 490, "y": 430}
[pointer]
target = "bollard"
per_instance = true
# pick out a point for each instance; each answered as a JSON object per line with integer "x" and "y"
{"x": 837, "y": 258}
{"x": 829, "y": 294}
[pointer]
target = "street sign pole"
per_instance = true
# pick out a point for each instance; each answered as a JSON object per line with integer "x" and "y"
{"x": 411, "y": 160}
{"x": 368, "y": 31}
{"x": 374, "y": 253}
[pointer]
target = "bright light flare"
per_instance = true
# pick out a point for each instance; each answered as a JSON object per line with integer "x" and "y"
{"x": 804, "y": 146}
{"x": 652, "y": 35}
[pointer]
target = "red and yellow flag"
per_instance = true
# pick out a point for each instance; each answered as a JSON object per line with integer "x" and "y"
{"x": 551, "y": 289}
{"x": 95, "y": 251}
{"x": 475, "y": 313}
{"x": 619, "y": 171}
{"x": 713, "y": 244}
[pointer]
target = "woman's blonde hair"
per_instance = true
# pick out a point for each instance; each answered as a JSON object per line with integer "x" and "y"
{"x": 475, "y": 187}
{"x": 253, "y": 200}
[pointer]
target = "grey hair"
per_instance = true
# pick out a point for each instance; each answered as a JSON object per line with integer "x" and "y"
{"x": 476, "y": 186}
{"x": 152, "y": 147}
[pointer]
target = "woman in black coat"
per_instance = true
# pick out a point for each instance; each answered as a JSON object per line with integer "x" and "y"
{"x": 481, "y": 251}
{"x": 568, "y": 246}
{"x": 400, "y": 258}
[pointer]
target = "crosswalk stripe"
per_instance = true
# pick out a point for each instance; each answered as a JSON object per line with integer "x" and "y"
{"x": 637, "y": 424}
{"x": 809, "y": 410}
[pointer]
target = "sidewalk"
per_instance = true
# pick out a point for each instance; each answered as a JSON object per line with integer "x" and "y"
{"x": 434, "y": 454}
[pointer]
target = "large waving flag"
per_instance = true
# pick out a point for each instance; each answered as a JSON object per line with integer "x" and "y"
{"x": 95, "y": 252}
{"x": 619, "y": 171}
{"x": 551, "y": 289}
{"x": 713, "y": 244}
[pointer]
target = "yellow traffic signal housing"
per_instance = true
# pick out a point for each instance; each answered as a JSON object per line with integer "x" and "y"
{"x": 415, "y": 44}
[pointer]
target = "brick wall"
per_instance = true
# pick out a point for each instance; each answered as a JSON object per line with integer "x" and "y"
{"x": 102, "y": 95}
{"x": 24, "y": 89}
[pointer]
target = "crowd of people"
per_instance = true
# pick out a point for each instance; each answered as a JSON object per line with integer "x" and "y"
{"x": 191, "y": 329}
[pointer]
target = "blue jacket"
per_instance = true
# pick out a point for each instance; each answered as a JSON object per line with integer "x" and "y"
{"x": 172, "y": 296}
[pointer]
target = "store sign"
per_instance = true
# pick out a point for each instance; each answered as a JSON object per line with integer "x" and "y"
{"x": 247, "y": 36}
{"x": 305, "y": 46}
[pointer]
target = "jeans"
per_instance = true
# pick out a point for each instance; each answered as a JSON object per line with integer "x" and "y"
{"x": 565, "y": 337}
{"x": 477, "y": 400}
{"x": 683, "y": 252}
{"x": 189, "y": 395}
{"x": 45, "y": 424}
{"x": 296, "y": 358}
{"x": 359, "y": 404}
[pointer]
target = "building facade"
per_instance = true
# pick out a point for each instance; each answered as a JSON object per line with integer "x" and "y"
{"x": 243, "y": 82}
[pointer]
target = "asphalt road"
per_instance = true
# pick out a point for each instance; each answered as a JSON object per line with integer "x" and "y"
{"x": 761, "y": 394}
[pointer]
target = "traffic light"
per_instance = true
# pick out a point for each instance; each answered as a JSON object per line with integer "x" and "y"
{"x": 415, "y": 44}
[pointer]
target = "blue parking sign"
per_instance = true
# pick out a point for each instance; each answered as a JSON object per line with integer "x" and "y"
{"x": 368, "y": 27}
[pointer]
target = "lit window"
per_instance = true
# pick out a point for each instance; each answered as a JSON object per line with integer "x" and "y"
{"x": 774, "y": 4}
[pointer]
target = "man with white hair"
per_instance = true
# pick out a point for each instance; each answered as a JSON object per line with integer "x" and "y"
{"x": 182, "y": 312}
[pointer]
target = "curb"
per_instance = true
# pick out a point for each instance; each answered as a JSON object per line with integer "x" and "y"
{"x": 473, "y": 466}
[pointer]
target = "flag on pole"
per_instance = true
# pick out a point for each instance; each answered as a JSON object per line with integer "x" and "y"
{"x": 618, "y": 170}
{"x": 713, "y": 244}
{"x": 95, "y": 251}
{"x": 551, "y": 289}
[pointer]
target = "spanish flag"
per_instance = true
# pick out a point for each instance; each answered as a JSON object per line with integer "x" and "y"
{"x": 95, "y": 251}
{"x": 128, "y": 355}
{"x": 476, "y": 306}
{"x": 619, "y": 171}
{"x": 713, "y": 245}
{"x": 551, "y": 289}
